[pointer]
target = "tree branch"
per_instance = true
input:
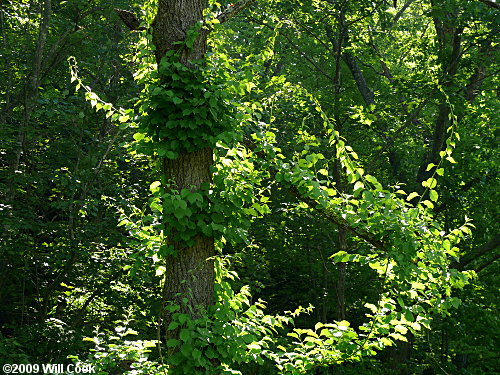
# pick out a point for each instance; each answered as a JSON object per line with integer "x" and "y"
{"x": 401, "y": 11}
{"x": 302, "y": 53}
{"x": 490, "y": 3}
{"x": 486, "y": 264}
{"x": 481, "y": 250}
{"x": 359, "y": 78}
{"x": 130, "y": 19}
{"x": 234, "y": 9}
{"x": 469, "y": 185}
{"x": 133, "y": 23}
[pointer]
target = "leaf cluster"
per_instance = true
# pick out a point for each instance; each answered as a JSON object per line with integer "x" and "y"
{"x": 183, "y": 110}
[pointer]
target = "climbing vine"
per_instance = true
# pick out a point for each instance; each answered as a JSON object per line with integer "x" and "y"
{"x": 184, "y": 110}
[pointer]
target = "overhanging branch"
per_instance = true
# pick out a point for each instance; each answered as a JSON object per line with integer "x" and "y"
{"x": 340, "y": 221}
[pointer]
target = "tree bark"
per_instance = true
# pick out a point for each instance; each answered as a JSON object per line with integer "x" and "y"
{"x": 491, "y": 4}
{"x": 190, "y": 170}
{"x": 173, "y": 20}
{"x": 190, "y": 273}
{"x": 359, "y": 78}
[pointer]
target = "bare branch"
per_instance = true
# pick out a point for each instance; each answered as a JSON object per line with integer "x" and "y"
{"x": 310, "y": 32}
{"x": 304, "y": 55}
{"x": 464, "y": 188}
{"x": 359, "y": 78}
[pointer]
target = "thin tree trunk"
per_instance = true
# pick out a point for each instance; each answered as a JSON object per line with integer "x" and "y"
{"x": 342, "y": 267}
{"x": 30, "y": 95}
{"x": 342, "y": 246}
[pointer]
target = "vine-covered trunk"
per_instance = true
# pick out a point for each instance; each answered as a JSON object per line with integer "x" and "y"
{"x": 190, "y": 272}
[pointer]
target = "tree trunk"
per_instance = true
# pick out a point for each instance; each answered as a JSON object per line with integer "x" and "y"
{"x": 342, "y": 246}
{"x": 341, "y": 278}
{"x": 190, "y": 273}
{"x": 173, "y": 20}
{"x": 30, "y": 95}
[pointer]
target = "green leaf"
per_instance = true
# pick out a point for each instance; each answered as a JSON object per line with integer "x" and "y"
{"x": 358, "y": 185}
{"x": 155, "y": 186}
{"x": 456, "y": 302}
{"x": 196, "y": 353}
{"x": 160, "y": 270}
{"x": 185, "y": 335}
{"x": 427, "y": 203}
{"x": 371, "y": 179}
{"x": 446, "y": 245}
{"x": 172, "y": 343}
{"x": 431, "y": 183}
{"x": 171, "y": 155}
{"x": 411, "y": 196}
{"x": 433, "y": 195}
{"x": 451, "y": 160}
{"x": 401, "y": 329}
{"x": 417, "y": 285}
{"x": 173, "y": 325}
{"x": 179, "y": 212}
{"x": 368, "y": 196}
{"x": 343, "y": 325}
{"x": 338, "y": 256}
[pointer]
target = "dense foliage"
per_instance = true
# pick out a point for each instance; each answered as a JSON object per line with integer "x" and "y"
{"x": 349, "y": 196}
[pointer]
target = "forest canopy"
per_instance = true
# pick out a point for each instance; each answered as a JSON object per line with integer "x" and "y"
{"x": 257, "y": 187}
